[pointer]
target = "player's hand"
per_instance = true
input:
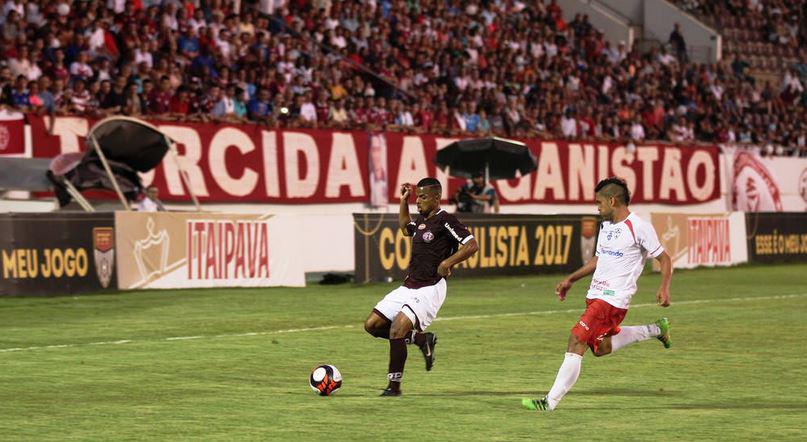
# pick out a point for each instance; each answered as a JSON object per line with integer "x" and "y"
{"x": 562, "y": 288}
{"x": 663, "y": 297}
{"x": 406, "y": 189}
{"x": 444, "y": 270}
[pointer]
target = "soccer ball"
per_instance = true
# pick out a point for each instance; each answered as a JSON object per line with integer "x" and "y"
{"x": 325, "y": 380}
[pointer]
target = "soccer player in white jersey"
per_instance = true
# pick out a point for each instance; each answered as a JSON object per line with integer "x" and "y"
{"x": 624, "y": 242}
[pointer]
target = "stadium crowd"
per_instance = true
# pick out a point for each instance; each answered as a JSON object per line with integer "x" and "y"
{"x": 505, "y": 67}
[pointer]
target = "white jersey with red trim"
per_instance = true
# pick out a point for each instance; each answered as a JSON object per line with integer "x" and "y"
{"x": 621, "y": 252}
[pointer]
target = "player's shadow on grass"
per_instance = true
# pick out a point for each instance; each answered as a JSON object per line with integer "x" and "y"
{"x": 473, "y": 393}
{"x": 741, "y": 405}
{"x": 625, "y": 392}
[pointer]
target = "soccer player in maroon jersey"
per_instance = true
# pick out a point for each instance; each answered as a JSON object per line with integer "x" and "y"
{"x": 439, "y": 242}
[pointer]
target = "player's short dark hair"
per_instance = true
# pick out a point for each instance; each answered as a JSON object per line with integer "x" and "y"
{"x": 431, "y": 183}
{"x": 615, "y": 187}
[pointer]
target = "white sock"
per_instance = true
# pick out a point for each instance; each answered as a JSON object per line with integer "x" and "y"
{"x": 567, "y": 376}
{"x": 633, "y": 333}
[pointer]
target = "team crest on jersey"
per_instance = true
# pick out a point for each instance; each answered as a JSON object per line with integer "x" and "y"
{"x": 422, "y": 226}
{"x": 428, "y": 236}
{"x": 613, "y": 234}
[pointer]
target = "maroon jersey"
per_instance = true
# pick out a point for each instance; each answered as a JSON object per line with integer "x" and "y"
{"x": 433, "y": 240}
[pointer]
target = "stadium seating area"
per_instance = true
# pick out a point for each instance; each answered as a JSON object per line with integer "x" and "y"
{"x": 451, "y": 67}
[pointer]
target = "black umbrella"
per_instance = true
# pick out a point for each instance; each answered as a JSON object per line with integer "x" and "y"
{"x": 132, "y": 142}
{"x": 128, "y": 146}
{"x": 499, "y": 158}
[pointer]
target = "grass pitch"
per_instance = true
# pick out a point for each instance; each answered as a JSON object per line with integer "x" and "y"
{"x": 233, "y": 364}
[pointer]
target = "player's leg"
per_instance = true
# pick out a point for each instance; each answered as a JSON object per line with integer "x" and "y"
{"x": 569, "y": 370}
{"x": 379, "y": 320}
{"x": 584, "y": 334}
{"x": 425, "y": 303}
{"x": 377, "y": 324}
{"x": 632, "y": 334}
{"x": 567, "y": 376}
{"x": 401, "y": 327}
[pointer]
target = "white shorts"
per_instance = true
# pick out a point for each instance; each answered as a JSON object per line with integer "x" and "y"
{"x": 419, "y": 305}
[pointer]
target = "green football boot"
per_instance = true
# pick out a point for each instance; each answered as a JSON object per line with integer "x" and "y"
{"x": 535, "y": 404}
{"x": 664, "y": 326}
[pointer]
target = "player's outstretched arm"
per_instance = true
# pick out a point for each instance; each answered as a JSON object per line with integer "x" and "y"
{"x": 663, "y": 294}
{"x": 564, "y": 286}
{"x": 403, "y": 213}
{"x": 465, "y": 251}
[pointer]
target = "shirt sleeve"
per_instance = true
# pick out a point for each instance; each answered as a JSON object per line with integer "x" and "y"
{"x": 647, "y": 238}
{"x": 457, "y": 230}
{"x": 411, "y": 227}
{"x": 491, "y": 194}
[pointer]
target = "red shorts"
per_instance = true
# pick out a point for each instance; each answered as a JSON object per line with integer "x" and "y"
{"x": 600, "y": 319}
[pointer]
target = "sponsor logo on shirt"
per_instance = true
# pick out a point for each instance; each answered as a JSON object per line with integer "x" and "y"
{"x": 583, "y": 324}
{"x": 453, "y": 233}
{"x": 422, "y": 226}
{"x": 613, "y": 234}
{"x": 428, "y": 236}
{"x": 598, "y": 284}
{"x": 616, "y": 253}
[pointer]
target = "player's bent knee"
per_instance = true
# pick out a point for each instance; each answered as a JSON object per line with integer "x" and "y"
{"x": 400, "y": 327}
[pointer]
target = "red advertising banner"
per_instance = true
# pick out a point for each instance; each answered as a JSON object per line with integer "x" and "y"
{"x": 250, "y": 163}
{"x": 12, "y": 137}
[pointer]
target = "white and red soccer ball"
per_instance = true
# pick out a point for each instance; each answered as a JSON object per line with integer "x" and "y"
{"x": 325, "y": 380}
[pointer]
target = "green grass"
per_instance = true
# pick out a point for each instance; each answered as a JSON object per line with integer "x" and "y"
{"x": 736, "y": 370}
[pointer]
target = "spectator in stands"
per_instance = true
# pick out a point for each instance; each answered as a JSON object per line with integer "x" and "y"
{"x": 19, "y": 94}
{"x": 180, "y": 104}
{"x": 80, "y": 69}
{"x": 240, "y": 107}
{"x": 519, "y": 63}
{"x": 260, "y": 107}
{"x": 307, "y": 110}
{"x": 224, "y": 108}
{"x": 134, "y": 104}
{"x": 568, "y": 124}
{"x": 160, "y": 98}
{"x": 338, "y": 114}
{"x": 45, "y": 95}
{"x": 637, "y": 133}
{"x": 678, "y": 44}
{"x": 114, "y": 101}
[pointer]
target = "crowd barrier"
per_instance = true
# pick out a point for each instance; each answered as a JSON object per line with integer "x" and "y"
{"x": 696, "y": 240}
{"x": 65, "y": 253}
{"x": 508, "y": 245}
{"x": 185, "y": 250}
{"x": 46, "y": 253}
{"x": 239, "y": 163}
{"x": 776, "y": 237}
{"x": 250, "y": 163}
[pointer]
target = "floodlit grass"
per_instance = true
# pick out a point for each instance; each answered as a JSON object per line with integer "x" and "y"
{"x": 736, "y": 369}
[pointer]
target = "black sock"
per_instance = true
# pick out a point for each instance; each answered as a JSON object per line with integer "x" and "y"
{"x": 397, "y": 360}
{"x": 415, "y": 337}
{"x": 420, "y": 339}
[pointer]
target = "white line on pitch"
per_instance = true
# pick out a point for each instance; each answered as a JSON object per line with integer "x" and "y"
{"x": 450, "y": 318}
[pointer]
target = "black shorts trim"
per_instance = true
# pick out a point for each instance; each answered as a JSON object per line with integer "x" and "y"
{"x": 375, "y": 310}
{"x": 417, "y": 320}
